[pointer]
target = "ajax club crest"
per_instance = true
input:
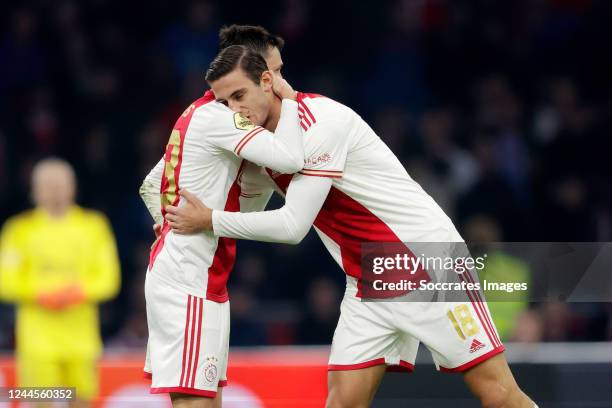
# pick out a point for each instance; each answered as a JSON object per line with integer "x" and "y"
{"x": 210, "y": 370}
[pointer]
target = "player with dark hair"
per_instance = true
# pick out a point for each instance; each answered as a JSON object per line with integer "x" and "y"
{"x": 209, "y": 149}
{"x": 354, "y": 190}
{"x": 255, "y": 38}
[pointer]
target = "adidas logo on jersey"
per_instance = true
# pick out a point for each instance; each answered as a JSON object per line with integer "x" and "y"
{"x": 475, "y": 346}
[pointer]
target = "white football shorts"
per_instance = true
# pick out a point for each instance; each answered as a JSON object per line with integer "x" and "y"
{"x": 188, "y": 342}
{"x": 459, "y": 335}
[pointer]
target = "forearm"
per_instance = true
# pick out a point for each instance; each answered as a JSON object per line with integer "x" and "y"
{"x": 149, "y": 192}
{"x": 283, "y": 150}
{"x": 288, "y": 224}
{"x": 267, "y": 226}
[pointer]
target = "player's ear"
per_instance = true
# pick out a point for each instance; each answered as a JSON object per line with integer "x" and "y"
{"x": 266, "y": 81}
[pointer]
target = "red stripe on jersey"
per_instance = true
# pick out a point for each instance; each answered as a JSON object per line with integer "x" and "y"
{"x": 281, "y": 180}
{"x": 312, "y": 118}
{"x": 350, "y": 224}
{"x": 303, "y": 126}
{"x": 197, "y": 353}
{"x": 181, "y": 124}
{"x": 225, "y": 254}
{"x": 185, "y": 337}
{"x": 302, "y": 116}
{"x": 302, "y": 104}
{"x": 159, "y": 244}
{"x": 189, "y": 365}
{"x": 246, "y": 139}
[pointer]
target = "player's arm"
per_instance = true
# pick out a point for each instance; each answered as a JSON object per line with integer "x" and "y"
{"x": 256, "y": 188}
{"x": 289, "y": 224}
{"x": 149, "y": 191}
{"x": 282, "y": 151}
{"x": 103, "y": 277}
{"x": 305, "y": 196}
{"x": 15, "y": 284}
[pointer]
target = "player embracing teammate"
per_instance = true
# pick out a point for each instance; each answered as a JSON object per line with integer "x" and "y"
{"x": 353, "y": 190}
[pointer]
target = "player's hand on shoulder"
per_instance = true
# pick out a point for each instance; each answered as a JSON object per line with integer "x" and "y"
{"x": 282, "y": 89}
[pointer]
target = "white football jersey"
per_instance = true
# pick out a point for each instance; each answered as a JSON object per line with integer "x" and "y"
{"x": 372, "y": 199}
{"x": 205, "y": 156}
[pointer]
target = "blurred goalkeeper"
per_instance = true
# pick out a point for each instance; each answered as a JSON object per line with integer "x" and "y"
{"x": 57, "y": 262}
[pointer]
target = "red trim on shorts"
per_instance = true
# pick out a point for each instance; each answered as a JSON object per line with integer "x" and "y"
{"x": 483, "y": 309}
{"x": 402, "y": 366}
{"x": 147, "y": 375}
{"x": 185, "y": 337}
{"x": 358, "y": 366}
{"x": 222, "y": 383}
{"x": 472, "y": 296}
{"x": 193, "y": 323}
{"x": 476, "y": 361}
{"x": 185, "y": 390}
{"x": 197, "y": 353}
{"x": 406, "y": 364}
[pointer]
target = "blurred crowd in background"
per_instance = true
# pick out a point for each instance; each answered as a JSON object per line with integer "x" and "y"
{"x": 501, "y": 110}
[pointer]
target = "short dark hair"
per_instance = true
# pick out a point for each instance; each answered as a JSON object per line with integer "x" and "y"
{"x": 234, "y": 56}
{"x": 256, "y": 38}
